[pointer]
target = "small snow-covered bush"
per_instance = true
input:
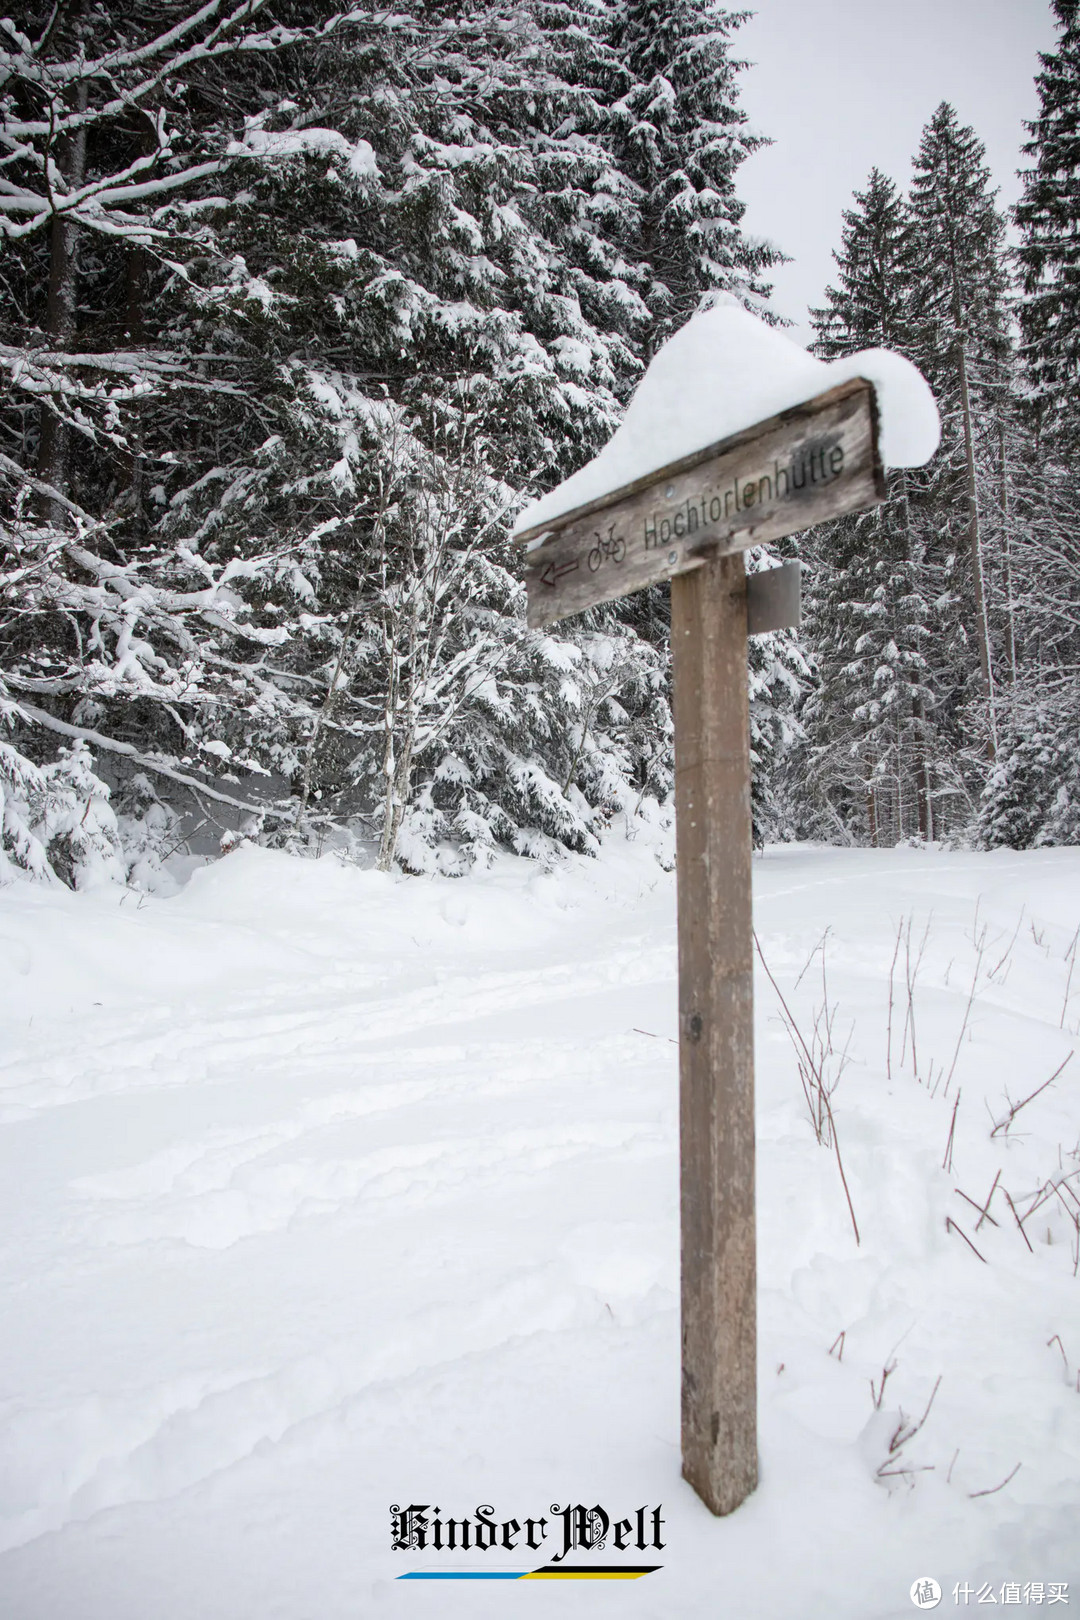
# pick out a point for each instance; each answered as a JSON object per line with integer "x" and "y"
{"x": 148, "y": 830}
{"x": 58, "y": 824}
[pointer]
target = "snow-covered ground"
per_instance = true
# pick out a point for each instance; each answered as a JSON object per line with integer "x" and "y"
{"x": 325, "y": 1191}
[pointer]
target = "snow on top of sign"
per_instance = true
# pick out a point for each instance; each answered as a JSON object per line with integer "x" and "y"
{"x": 722, "y": 372}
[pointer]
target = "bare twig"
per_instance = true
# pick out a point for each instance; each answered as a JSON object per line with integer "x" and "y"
{"x": 911, "y": 973}
{"x": 1014, "y": 1108}
{"x": 986, "y": 1215}
{"x": 967, "y": 1009}
{"x": 995, "y": 1488}
{"x": 812, "y": 1059}
{"x": 1008, "y": 949}
{"x": 839, "y": 1340}
{"x": 892, "y": 970}
{"x": 1070, "y": 957}
{"x": 1043, "y": 1196}
{"x": 840, "y": 1167}
{"x": 1055, "y": 1338}
{"x": 1063, "y": 1186}
{"x": 820, "y": 946}
{"x": 951, "y": 1226}
{"x": 1019, "y": 1223}
{"x": 879, "y": 1394}
{"x": 946, "y": 1163}
{"x": 906, "y": 1431}
{"x": 983, "y": 1214}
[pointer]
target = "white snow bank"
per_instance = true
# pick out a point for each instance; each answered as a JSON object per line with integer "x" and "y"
{"x": 722, "y": 372}
{"x": 322, "y": 1190}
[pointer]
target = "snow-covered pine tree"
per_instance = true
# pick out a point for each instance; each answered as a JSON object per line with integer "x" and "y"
{"x": 98, "y": 133}
{"x": 484, "y": 305}
{"x": 1032, "y": 794}
{"x": 960, "y": 340}
{"x": 873, "y": 762}
{"x": 344, "y": 291}
{"x": 669, "y": 82}
{"x": 1048, "y": 217}
{"x": 400, "y": 298}
{"x": 679, "y": 133}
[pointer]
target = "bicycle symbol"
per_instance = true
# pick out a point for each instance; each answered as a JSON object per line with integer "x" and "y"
{"x": 613, "y": 547}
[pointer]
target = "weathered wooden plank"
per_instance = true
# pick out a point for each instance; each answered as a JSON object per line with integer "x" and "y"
{"x": 808, "y": 464}
{"x": 774, "y": 599}
{"x": 716, "y": 1063}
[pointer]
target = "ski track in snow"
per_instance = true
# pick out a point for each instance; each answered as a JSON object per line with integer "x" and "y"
{"x": 307, "y": 1172}
{"x": 136, "y": 1055}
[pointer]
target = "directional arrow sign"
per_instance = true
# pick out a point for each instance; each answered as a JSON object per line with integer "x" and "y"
{"x": 813, "y": 462}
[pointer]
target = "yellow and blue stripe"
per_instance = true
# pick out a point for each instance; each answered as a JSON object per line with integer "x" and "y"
{"x": 550, "y": 1572}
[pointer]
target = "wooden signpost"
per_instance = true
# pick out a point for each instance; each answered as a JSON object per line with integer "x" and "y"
{"x": 690, "y": 522}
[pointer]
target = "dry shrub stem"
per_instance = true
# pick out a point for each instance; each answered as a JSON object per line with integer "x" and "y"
{"x": 967, "y": 1007}
{"x": 1014, "y": 1108}
{"x": 879, "y": 1394}
{"x": 984, "y": 1214}
{"x": 995, "y": 1488}
{"x": 1018, "y": 1221}
{"x": 1070, "y": 957}
{"x": 911, "y": 974}
{"x": 946, "y": 1163}
{"x": 892, "y": 971}
{"x": 905, "y": 1431}
{"x": 951, "y": 1226}
{"x": 812, "y": 1058}
{"x": 1000, "y": 963}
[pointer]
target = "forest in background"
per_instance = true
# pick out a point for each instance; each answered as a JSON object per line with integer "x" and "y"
{"x": 298, "y": 306}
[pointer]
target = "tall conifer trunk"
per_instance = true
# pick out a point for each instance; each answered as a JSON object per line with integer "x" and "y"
{"x": 1006, "y": 559}
{"x": 62, "y": 313}
{"x": 971, "y": 491}
{"x": 134, "y": 283}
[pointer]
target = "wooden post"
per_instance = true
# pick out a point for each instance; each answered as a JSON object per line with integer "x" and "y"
{"x": 690, "y": 522}
{"x": 716, "y": 1051}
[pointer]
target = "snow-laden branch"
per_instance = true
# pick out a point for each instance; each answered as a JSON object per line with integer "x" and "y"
{"x": 50, "y": 492}
{"x": 54, "y": 78}
{"x": 132, "y": 74}
{"x": 33, "y": 715}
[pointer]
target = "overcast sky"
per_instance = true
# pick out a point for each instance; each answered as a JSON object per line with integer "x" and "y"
{"x": 842, "y": 85}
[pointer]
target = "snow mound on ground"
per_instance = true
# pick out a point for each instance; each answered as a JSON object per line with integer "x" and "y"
{"x": 722, "y": 372}
{"x": 323, "y": 1189}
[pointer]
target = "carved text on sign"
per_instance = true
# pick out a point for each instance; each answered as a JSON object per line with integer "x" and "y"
{"x": 802, "y": 467}
{"x": 816, "y": 465}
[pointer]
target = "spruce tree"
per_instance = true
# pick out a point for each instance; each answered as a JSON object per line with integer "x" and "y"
{"x": 873, "y": 756}
{"x": 679, "y": 134}
{"x": 1048, "y": 216}
{"x": 961, "y": 343}
{"x": 398, "y": 298}
{"x": 1031, "y": 796}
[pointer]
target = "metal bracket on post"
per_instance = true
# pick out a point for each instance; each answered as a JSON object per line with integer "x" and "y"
{"x": 774, "y": 599}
